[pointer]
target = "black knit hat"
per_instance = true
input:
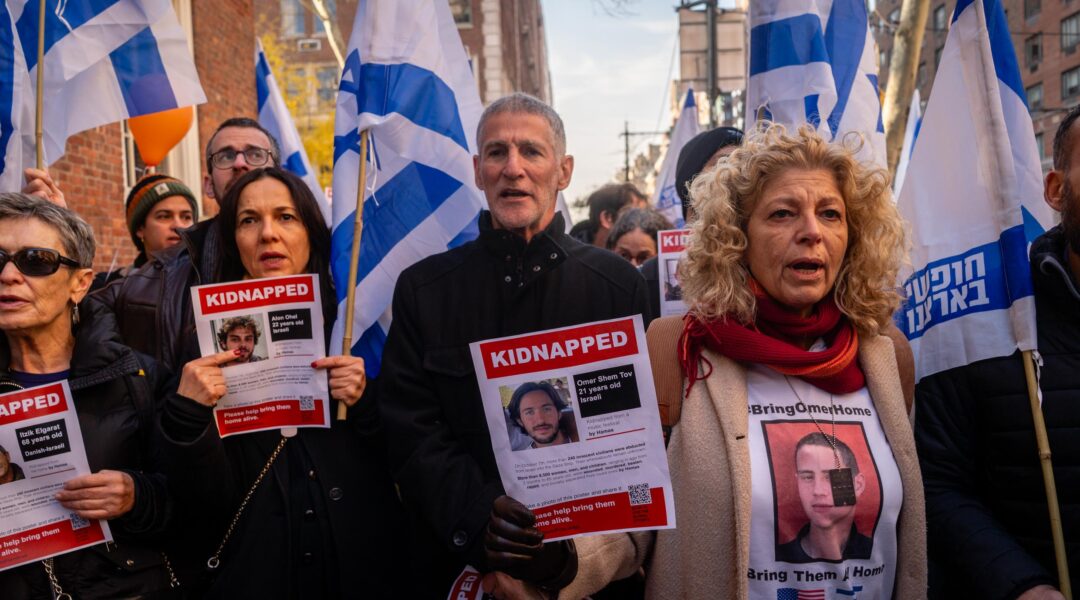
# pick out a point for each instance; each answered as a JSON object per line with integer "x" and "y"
{"x": 146, "y": 193}
{"x": 696, "y": 153}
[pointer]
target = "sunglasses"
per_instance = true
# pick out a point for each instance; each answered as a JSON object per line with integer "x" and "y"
{"x": 36, "y": 262}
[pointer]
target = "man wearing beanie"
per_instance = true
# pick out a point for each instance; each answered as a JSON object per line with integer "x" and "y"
{"x": 702, "y": 152}
{"x": 157, "y": 208}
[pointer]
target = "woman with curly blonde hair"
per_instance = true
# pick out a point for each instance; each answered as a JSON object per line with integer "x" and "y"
{"x": 793, "y": 464}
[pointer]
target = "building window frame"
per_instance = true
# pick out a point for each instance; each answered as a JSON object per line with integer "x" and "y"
{"x": 1070, "y": 33}
{"x": 941, "y": 19}
{"x": 1035, "y": 96}
{"x": 1070, "y": 83}
{"x": 1033, "y": 51}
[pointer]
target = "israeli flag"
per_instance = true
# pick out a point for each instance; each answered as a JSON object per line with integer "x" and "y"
{"x": 407, "y": 80}
{"x": 666, "y": 199}
{"x": 911, "y": 133}
{"x": 105, "y": 61}
{"x": 13, "y": 84}
{"x": 973, "y": 196}
{"x": 275, "y": 117}
{"x": 815, "y": 61}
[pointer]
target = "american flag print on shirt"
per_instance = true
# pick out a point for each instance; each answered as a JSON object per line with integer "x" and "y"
{"x": 794, "y": 594}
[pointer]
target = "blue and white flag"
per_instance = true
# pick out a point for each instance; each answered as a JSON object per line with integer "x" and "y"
{"x": 274, "y": 116}
{"x": 407, "y": 80}
{"x": 12, "y": 87}
{"x": 666, "y": 199}
{"x": 815, "y": 61}
{"x": 105, "y": 61}
{"x": 911, "y": 133}
{"x": 973, "y": 196}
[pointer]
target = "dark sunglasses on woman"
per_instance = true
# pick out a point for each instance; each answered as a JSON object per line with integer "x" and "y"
{"x": 36, "y": 262}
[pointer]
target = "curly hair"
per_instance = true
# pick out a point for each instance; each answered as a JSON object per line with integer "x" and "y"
{"x": 236, "y": 323}
{"x": 715, "y": 276}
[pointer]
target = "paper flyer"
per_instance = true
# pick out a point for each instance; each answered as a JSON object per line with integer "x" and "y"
{"x": 277, "y": 325}
{"x": 575, "y": 427}
{"x": 41, "y": 447}
{"x": 672, "y": 250}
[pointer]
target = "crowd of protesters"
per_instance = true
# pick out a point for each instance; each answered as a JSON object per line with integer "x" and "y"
{"x": 790, "y": 282}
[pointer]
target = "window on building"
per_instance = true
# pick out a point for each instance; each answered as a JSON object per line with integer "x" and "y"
{"x": 292, "y": 19}
{"x": 1070, "y": 32}
{"x": 1070, "y": 83}
{"x": 328, "y": 83}
{"x": 1035, "y": 97}
{"x": 920, "y": 75}
{"x": 331, "y": 9}
{"x": 462, "y": 11}
{"x": 1032, "y": 8}
{"x": 1042, "y": 147}
{"x": 1033, "y": 51}
{"x": 894, "y": 16}
{"x": 941, "y": 18}
{"x": 937, "y": 57}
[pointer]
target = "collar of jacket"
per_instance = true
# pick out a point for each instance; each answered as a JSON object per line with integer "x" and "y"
{"x": 503, "y": 243}
{"x": 99, "y": 355}
{"x": 1050, "y": 258}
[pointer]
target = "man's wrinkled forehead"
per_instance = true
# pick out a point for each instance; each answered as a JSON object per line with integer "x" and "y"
{"x": 489, "y": 135}
{"x": 238, "y": 138}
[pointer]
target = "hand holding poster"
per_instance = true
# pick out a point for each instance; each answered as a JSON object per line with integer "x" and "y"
{"x": 41, "y": 447}
{"x": 583, "y": 447}
{"x": 672, "y": 250}
{"x": 276, "y": 323}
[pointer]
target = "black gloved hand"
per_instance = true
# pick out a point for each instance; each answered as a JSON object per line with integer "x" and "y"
{"x": 514, "y": 546}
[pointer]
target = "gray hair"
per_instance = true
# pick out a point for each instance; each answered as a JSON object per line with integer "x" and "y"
{"x": 75, "y": 234}
{"x": 520, "y": 102}
{"x": 646, "y": 219}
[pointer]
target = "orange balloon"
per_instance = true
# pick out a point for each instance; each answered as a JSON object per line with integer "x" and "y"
{"x": 156, "y": 133}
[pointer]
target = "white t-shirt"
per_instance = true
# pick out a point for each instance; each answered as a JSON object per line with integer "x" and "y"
{"x": 821, "y": 551}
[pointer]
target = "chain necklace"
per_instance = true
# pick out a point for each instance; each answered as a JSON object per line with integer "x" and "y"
{"x": 841, "y": 478}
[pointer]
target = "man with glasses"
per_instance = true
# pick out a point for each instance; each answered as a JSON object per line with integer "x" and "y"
{"x": 153, "y": 304}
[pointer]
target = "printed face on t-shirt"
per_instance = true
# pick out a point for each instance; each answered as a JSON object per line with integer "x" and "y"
{"x": 812, "y": 466}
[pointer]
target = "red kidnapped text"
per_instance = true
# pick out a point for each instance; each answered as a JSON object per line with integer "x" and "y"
{"x": 264, "y": 292}
{"x": 557, "y": 349}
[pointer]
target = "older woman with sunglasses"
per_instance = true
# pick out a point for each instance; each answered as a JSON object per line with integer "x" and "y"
{"x": 50, "y": 335}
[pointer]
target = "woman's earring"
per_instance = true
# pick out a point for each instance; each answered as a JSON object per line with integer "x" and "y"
{"x": 75, "y": 314}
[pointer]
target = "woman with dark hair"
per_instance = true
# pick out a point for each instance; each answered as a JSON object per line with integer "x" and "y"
{"x": 275, "y": 516}
{"x": 633, "y": 236}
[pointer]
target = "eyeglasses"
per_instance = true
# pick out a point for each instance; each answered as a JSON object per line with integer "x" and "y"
{"x": 36, "y": 262}
{"x": 224, "y": 159}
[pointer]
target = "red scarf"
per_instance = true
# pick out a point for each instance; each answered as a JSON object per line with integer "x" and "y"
{"x": 834, "y": 369}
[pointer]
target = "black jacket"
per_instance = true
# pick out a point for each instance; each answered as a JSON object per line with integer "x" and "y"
{"x": 153, "y": 303}
{"x": 437, "y": 435}
{"x": 114, "y": 393}
{"x": 989, "y": 530}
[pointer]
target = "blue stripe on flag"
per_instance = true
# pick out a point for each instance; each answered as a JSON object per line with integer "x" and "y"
{"x": 793, "y": 41}
{"x": 987, "y": 277}
{"x": 403, "y": 203}
{"x": 295, "y": 164}
{"x": 141, "y": 73}
{"x": 7, "y": 83}
{"x": 877, "y": 92}
{"x": 61, "y": 17}
{"x": 468, "y": 234}
{"x": 369, "y": 347}
{"x": 262, "y": 75}
{"x": 810, "y": 107}
{"x": 415, "y": 93}
{"x": 845, "y": 39}
{"x": 1005, "y": 64}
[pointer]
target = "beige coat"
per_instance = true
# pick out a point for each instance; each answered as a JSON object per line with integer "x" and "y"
{"x": 707, "y": 556}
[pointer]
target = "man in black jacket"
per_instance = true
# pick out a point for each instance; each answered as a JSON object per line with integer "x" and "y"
{"x": 989, "y": 531}
{"x": 522, "y": 274}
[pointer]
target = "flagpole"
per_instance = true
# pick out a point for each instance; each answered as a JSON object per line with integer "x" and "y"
{"x": 1041, "y": 439}
{"x": 354, "y": 260}
{"x": 40, "y": 101}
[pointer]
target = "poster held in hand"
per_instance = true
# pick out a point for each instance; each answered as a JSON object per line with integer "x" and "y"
{"x": 276, "y": 327}
{"x": 575, "y": 427}
{"x": 42, "y": 449}
{"x": 672, "y": 251}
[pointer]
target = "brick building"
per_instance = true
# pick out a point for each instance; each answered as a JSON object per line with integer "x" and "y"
{"x": 1046, "y": 36}
{"x": 100, "y": 165}
{"x": 504, "y": 39}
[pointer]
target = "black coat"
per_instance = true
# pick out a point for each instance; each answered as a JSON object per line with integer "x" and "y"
{"x": 324, "y": 523}
{"x": 434, "y": 421}
{"x": 115, "y": 393}
{"x": 989, "y": 530}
